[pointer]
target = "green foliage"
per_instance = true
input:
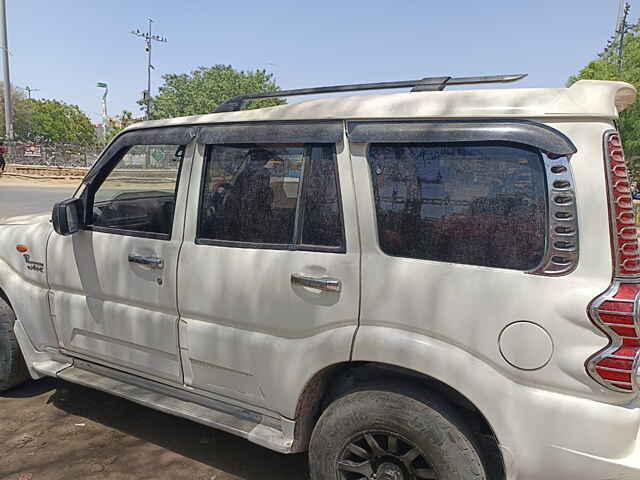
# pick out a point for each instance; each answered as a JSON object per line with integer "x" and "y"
{"x": 119, "y": 123}
{"x": 47, "y": 121}
{"x": 57, "y": 122}
{"x": 21, "y": 111}
{"x": 607, "y": 67}
{"x": 202, "y": 90}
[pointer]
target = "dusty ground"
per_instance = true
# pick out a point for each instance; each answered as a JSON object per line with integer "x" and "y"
{"x": 58, "y": 431}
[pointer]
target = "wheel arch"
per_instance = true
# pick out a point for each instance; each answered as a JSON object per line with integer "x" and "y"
{"x": 336, "y": 380}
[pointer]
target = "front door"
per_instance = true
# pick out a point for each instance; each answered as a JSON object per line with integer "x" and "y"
{"x": 113, "y": 285}
{"x": 268, "y": 276}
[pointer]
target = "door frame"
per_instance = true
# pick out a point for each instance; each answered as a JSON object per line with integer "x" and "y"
{"x": 286, "y": 396}
{"x": 110, "y": 156}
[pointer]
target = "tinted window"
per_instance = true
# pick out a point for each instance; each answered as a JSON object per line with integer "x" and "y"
{"x": 322, "y": 224}
{"x": 139, "y": 194}
{"x": 479, "y": 204}
{"x": 251, "y": 195}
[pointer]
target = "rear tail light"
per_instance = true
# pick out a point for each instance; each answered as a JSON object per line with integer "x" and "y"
{"x": 616, "y": 311}
{"x": 626, "y": 252}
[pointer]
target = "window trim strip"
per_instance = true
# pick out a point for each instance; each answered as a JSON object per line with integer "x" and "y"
{"x": 182, "y": 135}
{"x": 293, "y": 132}
{"x": 524, "y": 132}
{"x": 128, "y": 233}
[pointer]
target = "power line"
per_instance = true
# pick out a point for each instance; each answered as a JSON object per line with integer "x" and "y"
{"x": 149, "y": 38}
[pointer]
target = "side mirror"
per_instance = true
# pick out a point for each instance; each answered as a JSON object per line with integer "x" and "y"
{"x": 67, "y": 216}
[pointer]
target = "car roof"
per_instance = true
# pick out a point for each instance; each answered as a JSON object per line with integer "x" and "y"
{"x": 585, "y": 98}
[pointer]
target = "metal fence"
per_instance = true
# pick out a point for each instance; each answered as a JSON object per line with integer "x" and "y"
{"x": 19, "y": 153}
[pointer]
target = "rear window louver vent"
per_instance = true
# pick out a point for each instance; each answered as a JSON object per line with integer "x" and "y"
{"x": 562, "y": 251}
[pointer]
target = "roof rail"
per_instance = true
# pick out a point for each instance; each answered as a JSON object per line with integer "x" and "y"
{"x": 429, "y": 84}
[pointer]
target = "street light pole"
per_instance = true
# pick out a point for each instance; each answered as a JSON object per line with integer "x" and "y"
{"x": 105, "y": 115}
{"x": 8, "y": 120}
{"x": 149, "y": 67}
{"x": 148, "y": 40}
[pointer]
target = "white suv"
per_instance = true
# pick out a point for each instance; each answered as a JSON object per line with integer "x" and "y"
{"x": 425, "y": 285}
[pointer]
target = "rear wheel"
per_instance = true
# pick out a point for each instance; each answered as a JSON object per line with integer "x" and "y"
{"x": 13, "y": 370}
{"x": 392, "y": 435}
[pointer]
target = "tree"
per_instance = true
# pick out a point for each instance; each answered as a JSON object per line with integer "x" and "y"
{"x": 54, "y": 122}
{"x": 119, "y": 123}
{"x": 21, "y": 111}
{"x": 202, "y": 90}
{"x": 606, "y": 67}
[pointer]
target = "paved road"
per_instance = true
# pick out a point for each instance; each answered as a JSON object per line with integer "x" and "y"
{"x": 27, "y": 200}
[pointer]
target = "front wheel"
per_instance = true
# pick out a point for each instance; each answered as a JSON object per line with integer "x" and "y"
{"x": 381, "y": 434}
{"x": 13, "y": 370}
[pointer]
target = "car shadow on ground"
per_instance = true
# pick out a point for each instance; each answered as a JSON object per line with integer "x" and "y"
{"x": 31, "y": 389}
{"x": 236, "y": 457}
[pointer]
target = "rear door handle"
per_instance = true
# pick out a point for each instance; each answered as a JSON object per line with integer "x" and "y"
{"x": 153, "y": 262}
{"x": 321, "y": 283}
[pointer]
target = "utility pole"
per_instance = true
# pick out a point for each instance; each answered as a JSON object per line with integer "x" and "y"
{"x": 148, "y": 40}
{"x": 622, "y": 28}
{"x": 29, "y": 90}
{"x": 8, "y": 120}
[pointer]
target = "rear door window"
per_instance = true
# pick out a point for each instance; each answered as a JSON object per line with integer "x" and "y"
{"x": 271, "y": 196}
{"x": 476, "y": 204}
{"x": 321, "y": 223}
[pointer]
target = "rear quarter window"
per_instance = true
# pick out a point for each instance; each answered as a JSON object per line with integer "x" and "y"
{"x": 476, "y": 204}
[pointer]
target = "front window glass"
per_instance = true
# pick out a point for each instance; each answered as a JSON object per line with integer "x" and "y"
{"x": 482, "y": 204}
{"x": 139, "y": 194}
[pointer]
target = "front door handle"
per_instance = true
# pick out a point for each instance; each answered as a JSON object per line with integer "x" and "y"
{"x": 321, "y": 283}
{"x": 153, "y": 262}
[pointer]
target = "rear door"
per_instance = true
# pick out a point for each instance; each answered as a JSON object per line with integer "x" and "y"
{"x": 269, "y": 275}
{"x": 470, "y": 244}
{"x": 114, "y": 283}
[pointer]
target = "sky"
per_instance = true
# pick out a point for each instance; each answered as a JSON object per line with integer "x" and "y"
{"x": 64, "y": 47}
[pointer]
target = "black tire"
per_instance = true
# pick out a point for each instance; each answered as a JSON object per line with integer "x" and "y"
{"x": 419, "y": 423}
{"x": 13, "y": 370}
